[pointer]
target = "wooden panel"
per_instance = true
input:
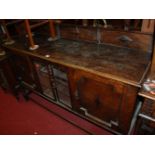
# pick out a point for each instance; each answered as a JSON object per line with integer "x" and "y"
{"x": 78, "y": 33}
{"x": 100, "y": 99}
{"x": 135, "y": 40}
{"x": 105, "y": 99}
{"x": 127, "y": 108}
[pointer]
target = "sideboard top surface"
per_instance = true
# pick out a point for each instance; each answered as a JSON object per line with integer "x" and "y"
{"x": 122, "y": 64}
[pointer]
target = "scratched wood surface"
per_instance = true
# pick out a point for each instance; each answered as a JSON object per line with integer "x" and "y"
{"x": 122, "y": 64}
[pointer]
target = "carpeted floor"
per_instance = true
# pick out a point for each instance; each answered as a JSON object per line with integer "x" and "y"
{"x": 28, "y": 118}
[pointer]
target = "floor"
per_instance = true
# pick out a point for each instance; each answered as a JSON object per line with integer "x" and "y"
{"x": 32, "y": 117}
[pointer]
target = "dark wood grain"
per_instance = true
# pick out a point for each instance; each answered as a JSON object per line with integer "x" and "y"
{"x": 122, "y": 64}
{"x": 139, "y": 41}
{"x": 78, "y": 33}
{"x": 108, "y": 100}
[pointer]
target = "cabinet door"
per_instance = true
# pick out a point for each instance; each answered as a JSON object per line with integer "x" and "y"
{"x": 53, "y": 81}
{"x": 62, "y": 85}
{"x": 104, "y": 101}
{"x": 46, "y": 80}
{"x": 100, "y": 101}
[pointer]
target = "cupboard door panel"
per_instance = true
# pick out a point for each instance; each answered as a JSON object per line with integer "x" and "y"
{"x": 62, "y": 86}
{"x": 100, "y": 101}
{"x": 45, "y": 79}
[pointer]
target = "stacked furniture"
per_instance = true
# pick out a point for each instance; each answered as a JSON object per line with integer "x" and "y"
{"x": 95, "y": 72}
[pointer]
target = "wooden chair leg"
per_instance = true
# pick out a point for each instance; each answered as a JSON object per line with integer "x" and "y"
{"x": 127, "y": 23}
{"x": 28, "y": 29}
{"x": 53, "y": 36}
{"x": 9, "y": 39}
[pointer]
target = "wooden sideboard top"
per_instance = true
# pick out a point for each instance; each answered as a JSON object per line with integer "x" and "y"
{"x": 122, "y": 64}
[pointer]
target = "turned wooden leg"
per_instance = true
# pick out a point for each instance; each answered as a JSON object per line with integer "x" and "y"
{"x": 9, "y": 39}
{"x": 28, "y": 29}
{"x": 53, "y": 36}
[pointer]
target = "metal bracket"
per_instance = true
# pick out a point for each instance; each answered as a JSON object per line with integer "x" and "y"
{"x": 98, "y": 119}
